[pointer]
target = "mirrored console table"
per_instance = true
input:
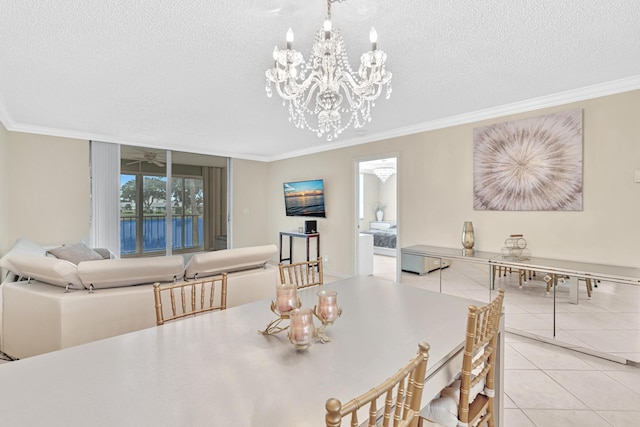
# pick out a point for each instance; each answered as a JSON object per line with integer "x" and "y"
{"x": 606, "y": 325}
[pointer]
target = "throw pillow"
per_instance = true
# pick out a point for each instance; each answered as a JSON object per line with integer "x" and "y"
{"x": 103, "y": 252}
{"x": 75, "y": 253}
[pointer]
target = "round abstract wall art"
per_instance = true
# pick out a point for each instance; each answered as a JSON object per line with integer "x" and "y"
{"x": 532, "y": 164}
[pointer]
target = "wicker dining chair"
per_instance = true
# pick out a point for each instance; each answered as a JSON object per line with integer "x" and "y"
{"x": 190, "y": 298}
{"x": 474, "y": 400}
{"x": 499, "y": 271}
{"x": 478, "y": 362}
{"x": 588, "y": 283}
{"x": 554, "y": 279}
{"x": 402, "y": 398}
{"x": 302, "y": 274}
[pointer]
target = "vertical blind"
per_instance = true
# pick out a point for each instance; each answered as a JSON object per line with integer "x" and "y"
{"x": 105, "y": 196}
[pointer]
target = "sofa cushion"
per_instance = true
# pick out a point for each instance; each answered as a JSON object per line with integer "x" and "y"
{"x": 75, "y": 253}
{"x": 54, "y": 271}
{"x": 228, "y": 260}
{"x": 22, "y": 246}
{"x": 113, "y": 273}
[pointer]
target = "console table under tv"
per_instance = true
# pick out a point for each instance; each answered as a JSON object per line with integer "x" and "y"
{"x": 306, "y": 236}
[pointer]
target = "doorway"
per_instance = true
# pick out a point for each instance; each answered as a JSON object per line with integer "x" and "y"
{"x": 377, "y": 217}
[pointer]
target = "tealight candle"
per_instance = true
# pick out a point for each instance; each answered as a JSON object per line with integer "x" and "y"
{"x": 286, "y": 297}
{"x": 328, "y": 306}
{"x": 301, "y": 330}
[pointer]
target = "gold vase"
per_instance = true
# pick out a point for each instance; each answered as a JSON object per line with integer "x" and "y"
{"x": 468, "y": 237}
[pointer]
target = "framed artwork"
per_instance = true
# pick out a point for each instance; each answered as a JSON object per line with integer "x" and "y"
{"x": 532, "y": 164}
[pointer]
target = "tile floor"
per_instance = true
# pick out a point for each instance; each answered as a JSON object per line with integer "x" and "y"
{"x": 547, "y": 385}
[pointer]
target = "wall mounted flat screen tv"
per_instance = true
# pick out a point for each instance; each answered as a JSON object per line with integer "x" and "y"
{"x": 304, "y": 198}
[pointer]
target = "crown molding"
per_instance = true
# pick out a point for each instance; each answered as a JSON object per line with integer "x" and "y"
{"x": 589, "y": 92}
{"x": 561, "y": 98}
{"x": 88, "y": 136}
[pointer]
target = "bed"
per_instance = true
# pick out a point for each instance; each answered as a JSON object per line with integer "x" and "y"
{"x": 384, "y": 239}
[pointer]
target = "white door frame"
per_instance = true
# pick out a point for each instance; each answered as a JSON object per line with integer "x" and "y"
{"x": 356, "y": 186}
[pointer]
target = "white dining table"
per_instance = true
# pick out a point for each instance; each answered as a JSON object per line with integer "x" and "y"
{"x": 215, "y": 369}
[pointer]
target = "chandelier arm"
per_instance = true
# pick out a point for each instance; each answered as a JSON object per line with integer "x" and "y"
{"x": 360, "y": 88}
{"x": 284, "y": 95}
{"x": 311, "y": 92}
{"x": 375, "y": 95}
{"x": 300, "y": 88}
{"x": 354, "y": 104}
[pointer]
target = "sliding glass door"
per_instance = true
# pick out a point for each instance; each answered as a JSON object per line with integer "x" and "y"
{"x": 176, "y": 209}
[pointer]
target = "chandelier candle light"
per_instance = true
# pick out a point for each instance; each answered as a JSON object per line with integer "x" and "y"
{"x": 326, "y": 86}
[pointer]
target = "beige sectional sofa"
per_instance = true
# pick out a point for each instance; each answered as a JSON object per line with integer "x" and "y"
{"x": 50, "y": 303}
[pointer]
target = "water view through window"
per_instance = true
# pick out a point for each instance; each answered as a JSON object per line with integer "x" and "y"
{"x": 171, "y": 202}
{"x": 143, "y": 214}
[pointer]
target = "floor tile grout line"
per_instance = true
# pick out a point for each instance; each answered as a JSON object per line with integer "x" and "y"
{"x": 572, "y": 410}
{"x": 616, "y": 380}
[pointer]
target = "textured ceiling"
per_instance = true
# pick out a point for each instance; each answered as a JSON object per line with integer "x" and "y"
{"x": 189, "y": 74}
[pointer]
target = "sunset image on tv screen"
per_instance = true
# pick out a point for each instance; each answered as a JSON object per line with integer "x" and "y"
{"x": 304, "y": 198}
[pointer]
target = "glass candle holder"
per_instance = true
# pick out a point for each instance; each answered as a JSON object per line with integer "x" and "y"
{"x": 301, "y": 328}
{"x": 327, "y": 306}
{"x": 286, "y": 297}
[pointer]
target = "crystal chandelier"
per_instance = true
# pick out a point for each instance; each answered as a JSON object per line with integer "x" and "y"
{"x": 326, "y": 86}
{"x": 384, "y": 173}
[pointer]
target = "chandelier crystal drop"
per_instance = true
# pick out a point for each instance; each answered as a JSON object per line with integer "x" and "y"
{"x": 325, "y": 87}
{"x": 384, "y": 173}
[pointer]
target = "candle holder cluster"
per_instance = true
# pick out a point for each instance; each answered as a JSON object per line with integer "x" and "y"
{"x": 515, "y": 248}
{"x": 301, "y": 329}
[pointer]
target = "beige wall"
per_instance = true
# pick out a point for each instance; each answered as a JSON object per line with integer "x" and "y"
{"x": 435, "y": 192}
{"x": 337, "y": 230}
{"x": 48, "y": 188}
{"x": 4, "y": 189}
{"x": 371, "y": 198}
{"x": 250, "y": 204}
{"x": 387, "y": 194}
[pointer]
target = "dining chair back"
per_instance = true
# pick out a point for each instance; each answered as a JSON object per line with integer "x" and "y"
{"x": 479, "y": 361}
{"x": 190, "y": 298}
{"x": 302, "y": 274}
{"x": 402, "y": 398}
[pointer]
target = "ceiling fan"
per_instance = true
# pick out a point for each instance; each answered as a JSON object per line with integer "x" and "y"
{"x": 149, "y": 157}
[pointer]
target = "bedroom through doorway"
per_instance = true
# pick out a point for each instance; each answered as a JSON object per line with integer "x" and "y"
{"x": 378, "y": 217}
